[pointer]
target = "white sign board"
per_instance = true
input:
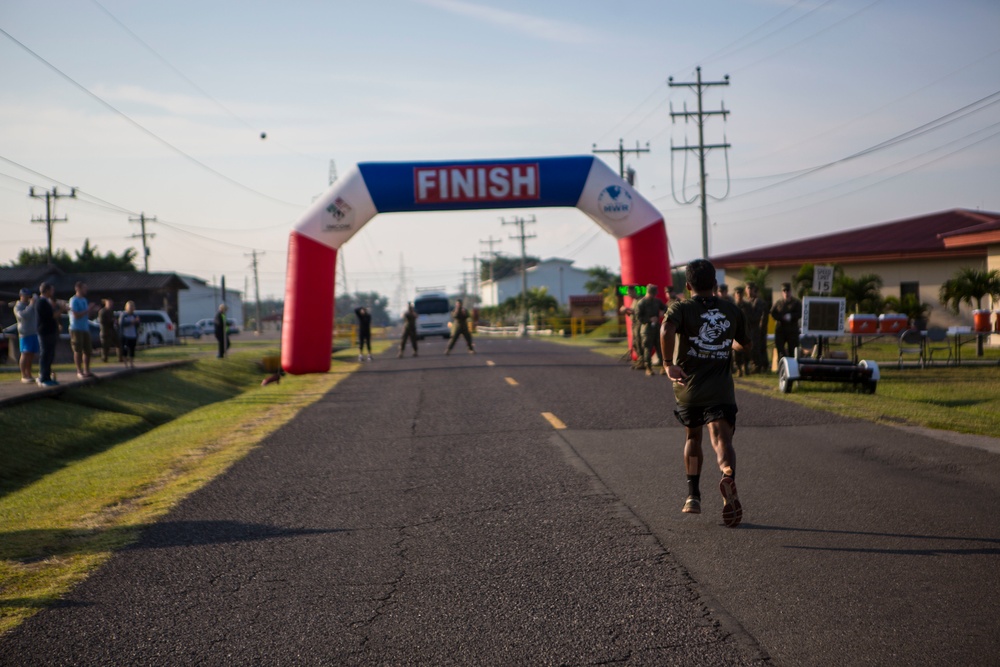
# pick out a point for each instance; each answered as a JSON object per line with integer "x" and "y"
{"x": 822, "y": 279}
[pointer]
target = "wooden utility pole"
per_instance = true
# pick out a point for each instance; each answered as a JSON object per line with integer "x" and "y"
{"x": 49, "y": 219}
{"x": 621, "y": 151}
{"x": 699, "y": 87}
{"x": 524, "y": 262}
{"x": 492, "y": 255}
{"x": 142, "y": 220}
{"x": 256, "y": 289}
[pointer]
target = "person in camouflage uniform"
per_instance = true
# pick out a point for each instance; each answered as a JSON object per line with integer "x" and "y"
{"x": 460, "y": 327}
{"x": 741, "y": 358}
{"x": 647, "y": 314}
{"x": 786, "y": 311}
{"x": 758, "y": 329}
{"x": 409, "y": 330}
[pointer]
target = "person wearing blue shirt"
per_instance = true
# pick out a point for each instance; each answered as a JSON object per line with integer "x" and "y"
{"x": 79, "y": 330}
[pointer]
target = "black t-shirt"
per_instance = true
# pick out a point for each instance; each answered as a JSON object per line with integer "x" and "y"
{"x": 364, "y": 321}
{"x": 707, "y": 327}
{"x": 47, "y": 322}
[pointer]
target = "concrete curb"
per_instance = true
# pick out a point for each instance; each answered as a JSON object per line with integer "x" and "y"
{"x": 12, "y": 393}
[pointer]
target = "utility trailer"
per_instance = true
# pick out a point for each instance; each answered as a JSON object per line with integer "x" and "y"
{"x": 824, "y": 317}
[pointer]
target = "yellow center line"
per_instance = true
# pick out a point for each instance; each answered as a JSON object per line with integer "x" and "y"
{"x": 511, "y": 381}
{"x": 555, "y": 421}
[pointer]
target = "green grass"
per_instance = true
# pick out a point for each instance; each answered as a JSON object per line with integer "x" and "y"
{"x": 95, "y": 466}
{"x": 963, "y": 398}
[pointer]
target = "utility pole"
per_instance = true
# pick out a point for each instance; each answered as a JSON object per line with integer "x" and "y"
{"x": 491, "y": 254}
{"x": 256, "y": 288}
{"x": 621, "y": 151}
{"x": 142, "y": 219}
{"x": 50, "y": 201}
{"x": 699, "y": 87}
{"x": 524, "y": 262}
{"x": 475, "y": 275}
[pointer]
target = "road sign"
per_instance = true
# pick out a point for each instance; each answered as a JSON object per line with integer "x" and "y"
{"x": 822, "y": 279}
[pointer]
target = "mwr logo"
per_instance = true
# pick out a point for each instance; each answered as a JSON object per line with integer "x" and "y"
{"x": 340, "y": 210}
{"x": 475, "y": 183}
{"x": 615, "y": 202}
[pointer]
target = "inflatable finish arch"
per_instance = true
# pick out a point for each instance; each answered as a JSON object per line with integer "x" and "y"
{"x": 383, "y": 187}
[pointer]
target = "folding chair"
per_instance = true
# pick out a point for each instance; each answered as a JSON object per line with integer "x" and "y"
{"x": 937, "y": 335}
{"x": 911, "y": 342}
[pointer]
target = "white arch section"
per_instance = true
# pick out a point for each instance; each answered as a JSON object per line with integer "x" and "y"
{"x": 370, "y": 188}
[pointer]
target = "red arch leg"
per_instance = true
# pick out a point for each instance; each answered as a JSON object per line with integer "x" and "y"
{"x": 645, "y": 259}
{"x": 307, "y": 323}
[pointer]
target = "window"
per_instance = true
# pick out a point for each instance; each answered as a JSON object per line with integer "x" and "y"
{"x": 909, "y": 288}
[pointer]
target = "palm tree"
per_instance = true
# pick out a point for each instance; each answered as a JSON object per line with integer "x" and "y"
{"x": 604, "y": 282}
{"x": 863, "y": 292}
{"x": 969, "y": 284}
{"x": 753, "y": 274}
{"x": 802, "y": 282}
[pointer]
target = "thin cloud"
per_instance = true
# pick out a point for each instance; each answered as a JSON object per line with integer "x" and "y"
{"x": 541, "y": 28}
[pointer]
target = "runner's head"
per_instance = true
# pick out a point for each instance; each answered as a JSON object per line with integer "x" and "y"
{"x": 700, "y": 276}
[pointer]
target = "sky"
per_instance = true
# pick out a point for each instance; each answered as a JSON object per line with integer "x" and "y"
{"x": 842, "y": 114}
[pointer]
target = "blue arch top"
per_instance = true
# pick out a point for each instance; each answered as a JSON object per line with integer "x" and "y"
{"x": 476, "y": 184}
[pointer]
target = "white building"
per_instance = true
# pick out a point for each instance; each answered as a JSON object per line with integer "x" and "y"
{"x": 558, "y": 276}
{"x": 201, "y": 300}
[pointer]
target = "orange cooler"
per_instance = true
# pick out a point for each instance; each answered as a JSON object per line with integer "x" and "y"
{"x": 892, "y": 323}
{"x": 862, "y": 324}
{"x": 981, "y": 321}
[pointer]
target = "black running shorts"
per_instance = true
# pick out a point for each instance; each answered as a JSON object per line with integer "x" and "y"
{"x": 694, "y": 416}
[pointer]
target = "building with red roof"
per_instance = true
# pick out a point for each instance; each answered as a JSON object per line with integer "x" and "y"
{"x": 912, "y": 256}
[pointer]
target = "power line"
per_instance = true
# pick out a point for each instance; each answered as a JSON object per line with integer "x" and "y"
{"x": 699, "y": 87}
{"x": 142, "y": 128}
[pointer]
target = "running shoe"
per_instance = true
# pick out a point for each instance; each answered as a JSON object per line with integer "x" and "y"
{"x": 27, "y": 380}
{"x": 692, "y": 505}
{"x": 732, "y": 510}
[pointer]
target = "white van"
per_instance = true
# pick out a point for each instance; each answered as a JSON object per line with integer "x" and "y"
{"x": 433, "y": 315}
{"x": 156, "y": 328}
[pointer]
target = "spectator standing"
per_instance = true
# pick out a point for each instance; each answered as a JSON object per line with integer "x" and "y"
{"x": 724, "y": 292}
{"x": 27, "y": 332}
{"x": 109, "y": 330}
{"x": 648, "y": 311}
{"x": 79, "y": 331}
{"x": 460, "y": 327}
{"x": 409, "y": 330}
{"x": 786, "y": 311}
{"x": 758, "y": 328}
{"x": 708, "y": 329}
{"x": 221, "y": 327}
{"x": 48, "y": 333}
{"x": 364, "y": 332}
{"x": 741, "y": 358}
{"x": 129, "y": 325}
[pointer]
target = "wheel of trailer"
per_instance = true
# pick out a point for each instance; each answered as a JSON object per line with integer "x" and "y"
{"x": 784, "y": 382}
{"x": 869, "y": 386}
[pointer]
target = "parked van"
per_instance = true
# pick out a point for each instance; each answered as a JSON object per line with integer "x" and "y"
{"x": 433, "y": 315}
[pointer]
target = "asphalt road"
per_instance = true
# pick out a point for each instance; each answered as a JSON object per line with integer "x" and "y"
{"x": 425, "y": 512}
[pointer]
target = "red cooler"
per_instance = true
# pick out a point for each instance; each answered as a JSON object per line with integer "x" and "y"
{"x": 862, "y": 324}
{"x": 981, "y": 321}
{"x": 892, "y": 323}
